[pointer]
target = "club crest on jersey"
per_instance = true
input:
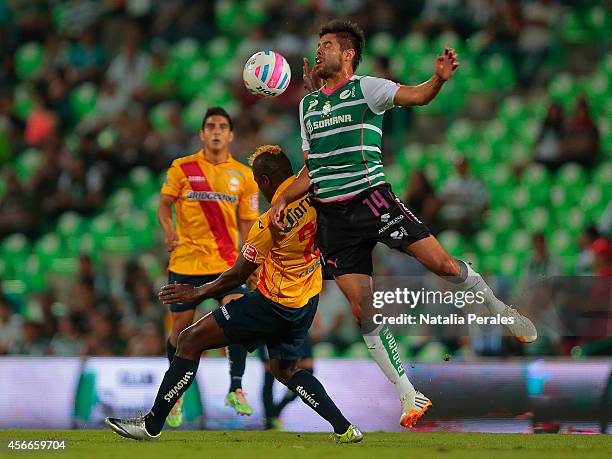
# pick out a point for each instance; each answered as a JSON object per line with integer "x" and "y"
{"x": 326, "y": 108}
{"x": 234, "y": 185}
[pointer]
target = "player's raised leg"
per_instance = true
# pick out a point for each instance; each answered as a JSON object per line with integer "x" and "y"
{"x": 313, "y": 394}
{"x": 382, "y": 346}
{"x": 203, "y": 335}
{"x": 435, "y": 258}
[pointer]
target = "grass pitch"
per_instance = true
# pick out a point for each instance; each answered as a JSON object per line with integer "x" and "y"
{"x": 95, "y": 444}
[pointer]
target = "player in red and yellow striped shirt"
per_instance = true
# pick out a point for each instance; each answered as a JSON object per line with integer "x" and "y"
{"x": 214, "y": 196}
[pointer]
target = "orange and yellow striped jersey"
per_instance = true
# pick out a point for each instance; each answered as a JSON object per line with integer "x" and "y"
{"x": 207, "y": 197}
{"x": 291, "y": 271}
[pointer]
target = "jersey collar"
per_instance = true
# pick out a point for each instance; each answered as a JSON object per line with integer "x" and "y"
{"x": 203, "y": 157}
{"x": 329, "y": 92}
{"x": 282, "y": 187}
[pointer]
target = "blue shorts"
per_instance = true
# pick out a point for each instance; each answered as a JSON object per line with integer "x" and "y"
{"x": 305, "y": 351}
{"x": 254, "y": 320}
{"x": 197, "y": 281}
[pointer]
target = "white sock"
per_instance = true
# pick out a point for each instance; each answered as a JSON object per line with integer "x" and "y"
{"x": 472, "y": 281}
{"x": 383, "y": 349}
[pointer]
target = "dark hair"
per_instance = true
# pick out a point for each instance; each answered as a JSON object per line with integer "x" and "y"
{"x": 212, "y": 111}
{"x": 270, "y": 160}
{"x": 348, "y": 34}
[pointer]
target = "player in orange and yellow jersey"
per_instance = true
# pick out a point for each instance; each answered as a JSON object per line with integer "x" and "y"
{"x": 214, "y": 197}
{"x": 278, "y": 313}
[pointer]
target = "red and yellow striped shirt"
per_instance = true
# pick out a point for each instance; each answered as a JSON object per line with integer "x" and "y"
{"x": 207, "y": 198}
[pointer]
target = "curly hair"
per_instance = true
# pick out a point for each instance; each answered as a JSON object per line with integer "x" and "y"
{"x": 271, "y": 161}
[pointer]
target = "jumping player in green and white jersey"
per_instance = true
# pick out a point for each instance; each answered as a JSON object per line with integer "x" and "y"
{"x": 341, "y": 126}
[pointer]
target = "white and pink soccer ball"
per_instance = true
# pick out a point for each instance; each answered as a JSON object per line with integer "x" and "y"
{"x": 266, "y": 74}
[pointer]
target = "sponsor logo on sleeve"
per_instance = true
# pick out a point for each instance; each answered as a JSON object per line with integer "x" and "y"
{"x": 249, "y": 252}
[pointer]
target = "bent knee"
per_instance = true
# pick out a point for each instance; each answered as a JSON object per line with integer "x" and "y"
{"x": 186, "y": 345}
{"x": 284, "y": 375}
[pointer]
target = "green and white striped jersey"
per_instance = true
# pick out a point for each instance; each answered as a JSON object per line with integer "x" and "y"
{"x": 342, "y": 131}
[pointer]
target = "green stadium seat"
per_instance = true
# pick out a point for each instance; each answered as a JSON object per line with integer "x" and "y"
{"x": 121, "y": 200}
{"x": 512, "y": 112}
{"x": 101, "y": 227}
{"x": 23, "y": 101}
{"x": 28, "y": 60}
{"x": 449, "y": 101}
{"x": 256, "y": 12}
{"x": 159, "y": 117}
{"x": 64, "y": 266}
{"x": 495, "y": 135}
{"x": 34, "y": 275}
{"x": 501, "y": 221}
{"x": 498, "y": 73}
{"x": 602, "y": 177}
{"x": 448, "y": 39}
{"x": 524, "y": 198}
{"x": 537, "y": 220}
{"x": 47, "y": 248}
{"x": 485, "y": 242}
{"x": 142, "y": 183}
{"x": 519, "y": 243}
{"x": 411, "y": 156}
{"x": 462, "y": 135}
{"x": 509, "y": 264}
{"x": 218, "y": 50}
{"x": 395, "y": 176}
{"x": 574, "y": 220}
{"x": 27, "y": 164}
{"x": 573, "y": 177}
{"x": 561, "y": 243}
{"x": 137, "y": 228}
{"x": 382, "y": 44}
{"x": 150, "y": 207}
{"x": 596, "y": 88}
{"x": 192, "y": 114}
{"x": 563, "y": 89}
{"x": 598, "y": 22}
{"x": 14, "y": 250}
{"x": 185, "y": 52}
{"x": 481, "y": 158}
{"x": 83, "y": 100}
{"x": 526, "y": 137}
{"x": 151, "y": 265}
{"x": 195, "y": 80}
{"x": 560, "y": 198}
{"x": 572, "y": 28}
{"x": 69, "y": 228}
{"x": 537, "y": 177}
{"x": 594, "y": 201}
{"x": 452, "y": 242}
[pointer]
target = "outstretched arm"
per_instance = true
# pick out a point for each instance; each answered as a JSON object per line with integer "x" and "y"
{"x": 445, "y": 66}
{"x": 294, "y": 191}
{"x": 232, "y": 278}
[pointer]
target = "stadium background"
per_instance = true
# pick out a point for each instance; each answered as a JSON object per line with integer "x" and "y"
{"x": 98, "y": 97}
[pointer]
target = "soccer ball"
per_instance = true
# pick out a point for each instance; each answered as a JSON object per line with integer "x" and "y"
{"x": 266, "y": 74}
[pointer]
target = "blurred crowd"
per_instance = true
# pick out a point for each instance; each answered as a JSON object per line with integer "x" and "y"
{"x": 122, "y": 49}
